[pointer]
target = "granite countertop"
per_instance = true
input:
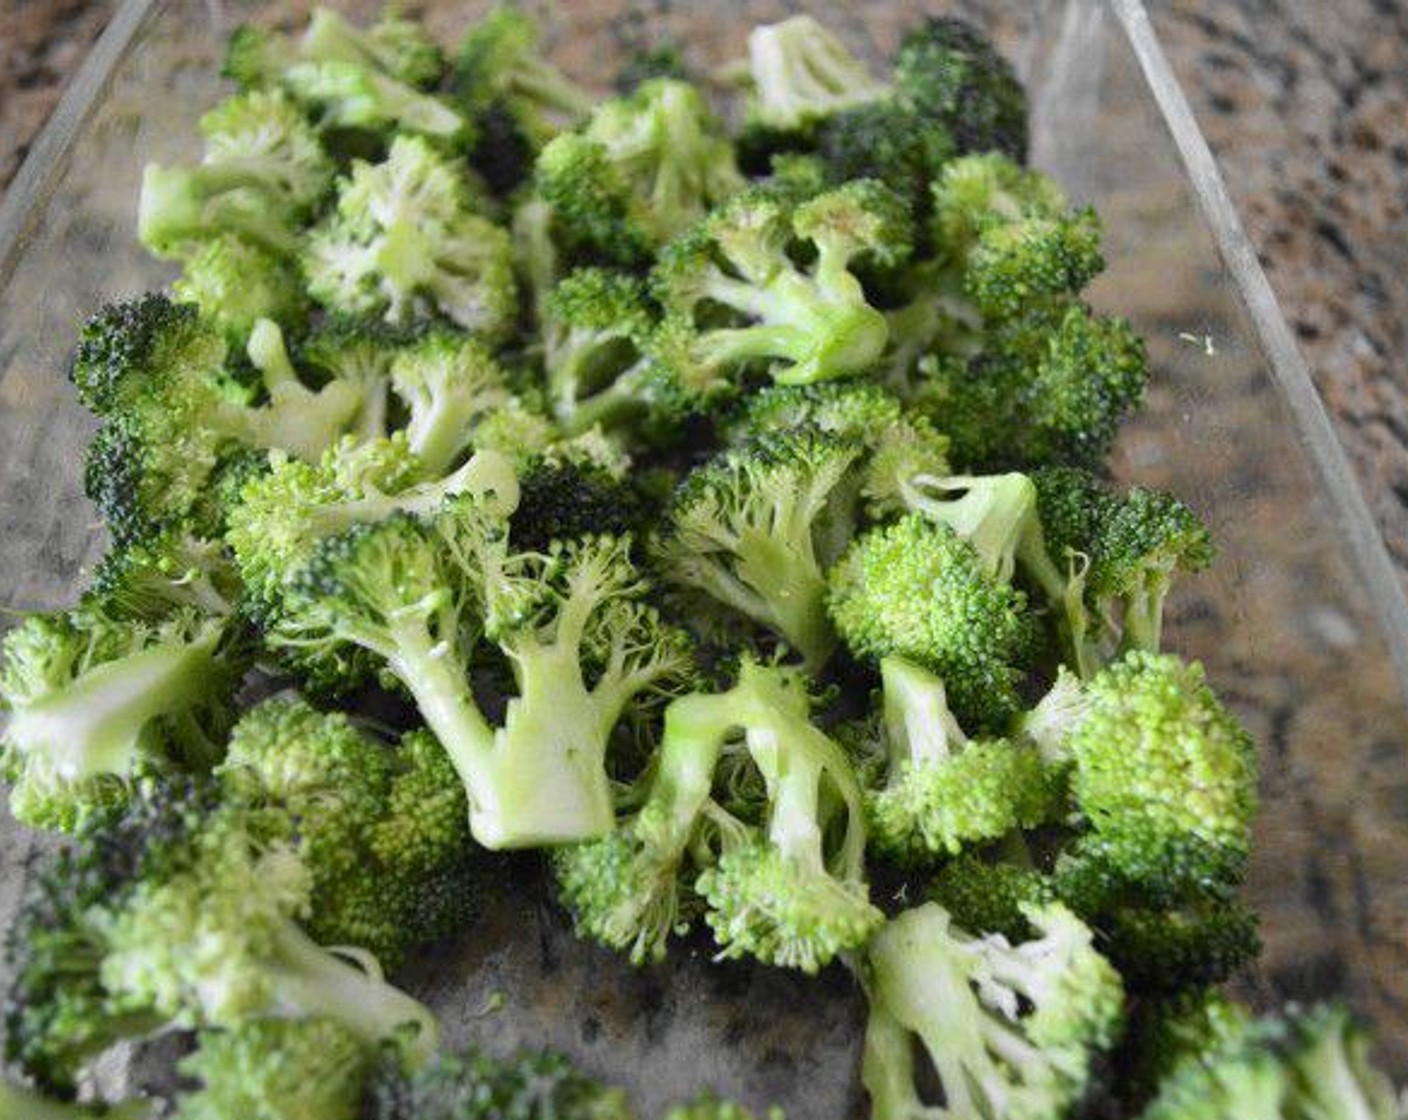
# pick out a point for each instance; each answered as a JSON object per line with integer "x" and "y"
{"x": 1302, "y": 102}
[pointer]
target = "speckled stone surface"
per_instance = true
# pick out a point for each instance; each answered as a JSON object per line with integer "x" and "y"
{"x": 1303, "y": 102}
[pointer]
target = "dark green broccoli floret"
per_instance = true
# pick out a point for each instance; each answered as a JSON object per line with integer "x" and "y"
{"x": 951, "y": 73}
{"x": 645, "y": 168}
{"x": 276, "y": 1069}
{"x": 755, "y": 529}
{"x": 1010, "y": 1029}
{"x": 148, "y": 579}
{"x": 890, "y": 141}
{"x": 95, "y": 702}
{"x": 563, "y": 500}
{"x": 263, "y": 173}
{"x": 380, "y": 827}
{"x": 943, "y": 791}
{"x": 1196, "y": 1024}
{"x": 788, "y": 889}
{"x": 989, "y": 895}
{"x": 665, "y": 60}
{"x": 917, "y": 590}
{"x": 405, "y": 242}
{"x": 804, "y": 324}
{"x": 473, "y": 1086}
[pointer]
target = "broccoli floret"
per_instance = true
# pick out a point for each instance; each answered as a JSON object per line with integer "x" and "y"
{"x": 1193, "y": 1025}
{"x": 1018, "y": 264}
{"x": 800, "y": 73}
{"x": 473, "y": 1086}
{"x": 148, "y": 579}
{"x": 18, "y": 1103}
{"x": 155, "y": 371}
{"x": 755, "y": 529}
{"x": 499, "y": 64}
{"x": 1164, "y": 774}
{"x": 179, "y": 915}
{"x": 1009, "y": 1029}
{"x": 917, "y": 590}
{"x": 276, "y": 1069}
{"x": 235, "y": 283}
{"x": 448, "y": 383}
{"x": 952, "y": 74}
{"x": 378, "y": 826}
{"x": 358, "y": 350}
{"x": 890, "y": 141}
{"x": 989, "y": 895}
{"x": 405, "y": 242}
{"x": 263, "y": 173}
{"x": 1307, "y": 1062}
{"x": 95, "y": 702}
{"x": 665, "y": 60}
{"x": 422, "y": 598}
{"x": 644, "y": 169}
{"x": 788, "y": 889}
{"x": 804, "y": 323}
{"x": 353, "y": 95}
{"x": 979, "y": 193}
{"x": 944, "y": 792}
{"x": 560, "y": 500}
{"x": 394, "y": 46}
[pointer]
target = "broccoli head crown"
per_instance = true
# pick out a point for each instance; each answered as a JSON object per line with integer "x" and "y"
{"x": 738, "y": 299}
{"x": 754, "y": 530}
{"x": 405, "y": 243}
{"x": 473, "y": 1086}
{"x": 890, "y": 141}
{"x": 977, "y": 193}
{"x": 990, "y": 896}
{"x": 944, "y": 791}
{"x": 952, "y": 74}
{"x": 235, "y": 283}
{"x": 915, "y": 589}
{"x": 375, "y": 824}
{"x": 148, "y": 579}
{"x": 265, "y": 131}
{"x": 644, "y": 168}
{"x": 801, "y": 72}
{"x": 398, "y": 47}
{"x": 561, "y": 501}
{"x": 96, "y": 702}
{"x": 1164, "y": 774}
{"x": 276, "y": 1069}
{"x": 1009, "y": 1028}
{"x": 127, "y": 344}
{"x": 1021, "y": 263}
{"x": 1305, "y": 1062}
{"x": 499, "y": 62}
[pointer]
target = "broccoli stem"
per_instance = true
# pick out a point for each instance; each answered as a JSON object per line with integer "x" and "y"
{"x": 95, "y": 725}
{"x": 792, "y": 591}
{"x": 25, "y": 1104}
{"x": 919, "y": 727}
{"x": 540, "y": 82}
{"x": 1144, "y": 614}
{"x": 311, "y": 981}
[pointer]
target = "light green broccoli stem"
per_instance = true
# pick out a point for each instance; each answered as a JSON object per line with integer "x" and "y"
{"x": 95, "y": 725}
{"x": 793, "y": 593}
{"x": 17, "y": 1103}
{"x": 1144, "y": 613}
{"x": 312, "y": 982}
{"x": 174, "y": 208}
{"x": 919, "y": 727}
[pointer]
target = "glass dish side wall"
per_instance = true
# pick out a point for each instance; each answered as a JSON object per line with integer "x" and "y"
{"x": 1287, "y": 634}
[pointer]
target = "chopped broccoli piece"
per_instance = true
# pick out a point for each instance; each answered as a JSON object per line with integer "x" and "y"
{"x": 147, "y": 580}
{"x": 917, "y": 590}
{"x": 393, "y": 46}
{"x": 1010, "y": 1029}
{"x": 988, "y": 895}
{"x": 405, "y": 242}
{"x": 806, "y": 324}
{"x": 801, "y": 72}
{"x": 665, "y": 60}
{"x": 380, "y": 827}
{"x": 235, "y": 283}
{"x": 96, "y": 702}
{"x": 944, "y": 792}
{"x": 560, "y": 500}
{"x": 753, "y": 530}
{"x": 276, "y": 1069}
{"x": 951, "y": 73}
{"x": 890, "y": 141}
{"x": 353, "y": 95}
{"x": 448, "y": 383}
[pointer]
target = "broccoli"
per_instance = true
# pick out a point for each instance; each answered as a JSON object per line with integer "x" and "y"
{"x": 352, "y": 95}
{"x": 645, "y": 168}
{"x": 18, "y": 1103}
{"x": 276, "y": 1069}
{"x": 665, "y": 60}
{"x": 1308, "y": 1062}
{"x": 1010, "y": 1029}
{"x": 358, "y": 350}
{"x": 710, "y": 1107}
{"x": 155, "y": 371}
{"x": 235, "y": 283}
{"x": 944, "y": 792}
{"x": 789, "y": 890}
{"x": 573, "y": 625}
{"x": 473, "y": 1086}
{"x": 393, "y": 46}
{"x": 808, "y": 324}
{"x": 381, "y": 828}
{"x": 447, "y": 383}
{"x": 755, "y": 529}
{"x": 264, "y": 172}
{"x": 989, "y": 895}
{"x": 146, "y": 580}
{"x": 800, "y": 73}
{"x": 406, "y": 242}
{"x": 952, "y": 74}
{"x": 887, "y": 140}
{"x": 95, "y": 702}
{"x": 916, "y": 589}
{"x": 1193, "y": 1025}
{"x": 564, "y": 498}
{"x": 179, "y": 914}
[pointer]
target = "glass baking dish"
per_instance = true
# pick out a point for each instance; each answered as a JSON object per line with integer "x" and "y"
{"x": 1301, "y": 623}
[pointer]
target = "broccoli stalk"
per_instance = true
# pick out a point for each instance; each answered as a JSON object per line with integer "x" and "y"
{"x": 499, "y": 63}
{"x": 448, "y": 383}
{"x": 1010, "y": 1030}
